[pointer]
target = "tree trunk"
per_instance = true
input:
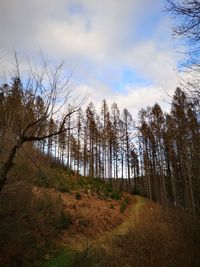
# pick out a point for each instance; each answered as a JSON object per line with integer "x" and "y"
{"x": 8, "y": 165}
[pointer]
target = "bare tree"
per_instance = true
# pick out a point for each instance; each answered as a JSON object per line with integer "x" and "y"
{"x": 187, "y": 16}
{"x": 26, "y": 124}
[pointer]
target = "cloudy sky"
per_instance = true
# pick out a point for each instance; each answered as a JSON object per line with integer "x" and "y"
{"x": 119, "y": 50}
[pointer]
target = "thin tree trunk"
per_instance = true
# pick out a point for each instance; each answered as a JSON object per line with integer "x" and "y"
{"x": 9, "y": 163}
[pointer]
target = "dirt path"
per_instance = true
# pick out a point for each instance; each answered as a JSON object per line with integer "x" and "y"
{"x": 124, "y": 227}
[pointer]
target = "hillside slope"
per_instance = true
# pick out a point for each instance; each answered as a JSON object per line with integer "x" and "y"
{"x": 59, "y": 219}
{"x": 151, "y": 235}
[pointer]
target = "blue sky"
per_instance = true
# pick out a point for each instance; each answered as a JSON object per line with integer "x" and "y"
{"x": 119, "y": 50}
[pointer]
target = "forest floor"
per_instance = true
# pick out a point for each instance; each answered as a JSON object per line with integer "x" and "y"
{"x": 93, "y": 217}
{"x": 145, "y": 234}
{"x": 68, "y": 221}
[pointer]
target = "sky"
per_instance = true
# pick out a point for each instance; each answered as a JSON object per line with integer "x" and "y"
{"x": 122, "y": 51}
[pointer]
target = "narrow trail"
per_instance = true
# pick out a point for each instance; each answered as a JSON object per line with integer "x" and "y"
{"x": 147, "y": 236}
{"x": 104, "y": 239}
{"x": 124, "y": 227}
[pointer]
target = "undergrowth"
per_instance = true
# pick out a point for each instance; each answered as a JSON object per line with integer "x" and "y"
{"x": 54, "y": 178}
{"x": 63, "y": 181}
{"x": 124, "y": 204}
{"x": 100, "y": 187}
{"x": 30, "y": 222}
{"x": 158, "y": 237}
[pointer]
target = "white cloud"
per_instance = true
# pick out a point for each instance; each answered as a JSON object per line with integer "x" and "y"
{"x": 97, "y": 39}
{"x": 133, "y": 98}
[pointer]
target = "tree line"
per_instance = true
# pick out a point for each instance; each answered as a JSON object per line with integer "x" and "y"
{"x": 159, "y": 156}
{"x": 170, "y": 148}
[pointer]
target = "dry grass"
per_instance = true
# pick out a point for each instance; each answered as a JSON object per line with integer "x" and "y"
{"x": 30, "y": 222}
{"x": 36, "y": 222}
{"x": 159, "y": 237}
{"x": 152, "y": 236}
{"x": 92, "y": 217}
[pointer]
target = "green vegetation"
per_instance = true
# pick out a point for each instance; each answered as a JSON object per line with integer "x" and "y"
{"x": 124, "y": 204}
{"x": 55, "y": 178}
{"x": 100, "y": 187}
{"x": 66, "y": 181}
{"x": 64, "y": 259}
{"x": 88, "y": 257}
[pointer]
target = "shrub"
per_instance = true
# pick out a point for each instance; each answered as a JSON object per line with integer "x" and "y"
{"x": 124, "y": 204}
{"x": 42, "y": 180}
{"x": 122, "y": 207}
{"x": 116, "y": 195}
{"x": 63, "y": 187}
